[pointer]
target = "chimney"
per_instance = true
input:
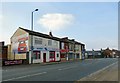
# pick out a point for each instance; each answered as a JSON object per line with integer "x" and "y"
{"x": 73, "y": 39}
{"x": 50, "y": 34}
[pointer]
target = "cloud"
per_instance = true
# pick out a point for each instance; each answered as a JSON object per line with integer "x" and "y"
{"x": 0, "y": 17}
{"x": 56, "y": 21}
{"x": 1, "y": 20}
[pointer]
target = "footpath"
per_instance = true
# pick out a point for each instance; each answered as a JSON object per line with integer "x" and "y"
{"x": 36, "y": 64}
{"x": 109, "y": 73}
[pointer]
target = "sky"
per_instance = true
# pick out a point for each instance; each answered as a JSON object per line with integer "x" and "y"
{"x": 93, "y": 23}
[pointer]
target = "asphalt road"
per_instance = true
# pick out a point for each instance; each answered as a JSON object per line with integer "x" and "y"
{"x": 71, "y": 71}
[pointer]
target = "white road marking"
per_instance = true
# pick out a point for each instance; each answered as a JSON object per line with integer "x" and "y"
{"x": 25, "y": 76}
{"x": 99, "y": 71}
{"x": 103, "y": 69}
{"x": 67, "y": 68}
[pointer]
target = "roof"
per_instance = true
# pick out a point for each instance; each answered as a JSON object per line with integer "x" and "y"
{"x": 51, "y": 37}
{"x": 71, "y": 41}
{"x": 40, "y": 34}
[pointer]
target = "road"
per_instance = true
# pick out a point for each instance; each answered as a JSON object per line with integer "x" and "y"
{"x": 109, "y": 73}
{"x": 71, "y": 71}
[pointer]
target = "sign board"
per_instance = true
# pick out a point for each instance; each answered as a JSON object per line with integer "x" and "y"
{"x": 12, "y": 62}
{"x": 20, "y": 44}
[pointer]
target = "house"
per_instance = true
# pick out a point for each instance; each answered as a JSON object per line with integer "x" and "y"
{"x": 34, "y": 47}
{"x": 93, "y": 54}
{"x": 71, "y": 53}
{"x": 64, "y": 48}
{"x": 3, "y": 51}
{"x": 114, "y": 53}
{"x": 78, "y": 50}
{"x": 71, "y": 49}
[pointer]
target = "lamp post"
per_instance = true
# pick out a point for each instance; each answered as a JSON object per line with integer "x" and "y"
{"x": 32, "y": 36}
{"x": 32, "y": 19}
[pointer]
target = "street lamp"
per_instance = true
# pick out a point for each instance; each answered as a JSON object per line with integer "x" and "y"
{"x": 32, "y": 36}
{"x": 32, "y": 19}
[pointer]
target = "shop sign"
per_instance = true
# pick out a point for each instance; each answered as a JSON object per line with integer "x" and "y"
{"x": 70, "y": 51}
{"x": 64, "y": 50}
{"x": 52, "y": 49}
{"x": 38, "y": 49}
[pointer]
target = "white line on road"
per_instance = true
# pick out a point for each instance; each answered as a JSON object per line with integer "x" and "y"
{"x": 67, "y": 68}
{"x": 99, "y": 71}
{"x": 25, "y": 76}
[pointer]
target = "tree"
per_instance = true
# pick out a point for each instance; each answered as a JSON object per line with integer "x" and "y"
{"x": 107, "y": 52}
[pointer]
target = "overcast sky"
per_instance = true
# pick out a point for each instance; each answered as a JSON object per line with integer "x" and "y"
{"x": 93, "y": 23}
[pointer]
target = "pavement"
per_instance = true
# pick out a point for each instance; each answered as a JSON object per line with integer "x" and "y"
{"x": 109, "y": 73}
{"x": 66, "y": 71}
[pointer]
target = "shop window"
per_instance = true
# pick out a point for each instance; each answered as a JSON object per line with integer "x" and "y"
{"x": 62, "y": 55}
{"x": 77, "y": 56}
{"x": 52, "y": 54}
{"x": 36, "y": 54}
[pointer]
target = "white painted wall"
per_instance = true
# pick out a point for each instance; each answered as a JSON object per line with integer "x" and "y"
{"x": 45, "y": 45}
{"x": 57, "y": 58}
{"x": 47, "y": 56}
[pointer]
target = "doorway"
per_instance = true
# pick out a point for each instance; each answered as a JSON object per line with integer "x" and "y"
{"x": 44, "y": 57}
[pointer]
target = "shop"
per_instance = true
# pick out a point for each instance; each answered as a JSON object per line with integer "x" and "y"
{"x": 34, "y": 47}
{"x": 45, "y": 50}
{"x": 77, "y": 56}
{"x": 64, "y": 54}
{"x": 71, "y": 55}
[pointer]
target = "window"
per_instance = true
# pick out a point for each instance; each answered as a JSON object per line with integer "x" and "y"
{"x": 49, "y": 42}
{"x": 70, "y": 47}
{"x": 62, "y": 56}
{"x": 52, "y": 54}
{"x": 55, "y": 43}
{"x": 77, "y": 47}
{"x": 36, "y": 55}
{"x": 77, "y": 56}
{"x": 62, "y": 45}
{"x": 57, "y": 55}
{"x": 38, "y": 41}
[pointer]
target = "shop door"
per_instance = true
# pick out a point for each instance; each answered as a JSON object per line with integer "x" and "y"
{"x": 44, "y": 57}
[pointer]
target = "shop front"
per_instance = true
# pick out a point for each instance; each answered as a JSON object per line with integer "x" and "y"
{"x": 77, "y": 55}
{"x": 54, "y": 54}
{"x": 42, "y": 55}
{"x": 39, "y": 55}
{"x": 64, "y": 54}
{"x": 36, "y": 56}
{"x": 71, "y": 55}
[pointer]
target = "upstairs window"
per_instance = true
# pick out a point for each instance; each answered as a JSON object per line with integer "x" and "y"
{"x": 38, "y": 41}
{"x": 50, "y": 42}
{"x": 55, "y": 43}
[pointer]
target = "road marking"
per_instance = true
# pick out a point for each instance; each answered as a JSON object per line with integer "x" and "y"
{"x": 98, "y": 71}
{"x": 67, "y": 68}
{"x": 25, "y": 76}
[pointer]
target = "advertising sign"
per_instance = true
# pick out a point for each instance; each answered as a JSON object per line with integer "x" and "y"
{"x": 12, "y": 62}
{"x": 20, "y": 44}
